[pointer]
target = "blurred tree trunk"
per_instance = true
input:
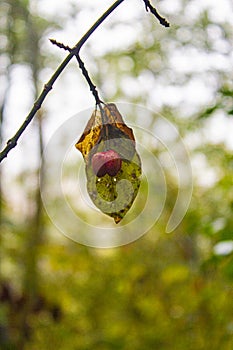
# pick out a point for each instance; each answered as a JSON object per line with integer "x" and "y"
{"x": 35, "y": 229}
{"x": 5, "y": 30}
{"x": 23, "y": 47}
{"x": 5, "y": 293}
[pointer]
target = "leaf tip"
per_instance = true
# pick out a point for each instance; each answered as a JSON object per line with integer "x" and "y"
{"x": 117, "y": 219}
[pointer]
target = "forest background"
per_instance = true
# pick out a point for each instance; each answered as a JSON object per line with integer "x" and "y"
{"x": 163, "y": 291}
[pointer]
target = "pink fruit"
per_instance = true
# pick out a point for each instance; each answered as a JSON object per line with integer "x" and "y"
{"x": 108, "y": 162}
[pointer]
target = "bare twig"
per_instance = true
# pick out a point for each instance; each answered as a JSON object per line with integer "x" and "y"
{"x": 88, "y": 79}
{"x": 11, "y": 143}
{"x": 153, "y": 10}
{"x": 48, "y": 86}
{"x": 83, "y": 69}
{"x": 60, "y": 45}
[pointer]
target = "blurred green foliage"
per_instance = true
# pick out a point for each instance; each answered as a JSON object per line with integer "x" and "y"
{"x": 161, "y": 292}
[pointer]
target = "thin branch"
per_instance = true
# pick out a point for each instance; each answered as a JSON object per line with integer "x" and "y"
{"x": 88, "y": 79}
{"x": 83, "y": 69}
{"x": 153, "y": 10}
{"x": 11, "y": 143}
{"x": 49, "y": 85}
{"x": 60, "y": 45}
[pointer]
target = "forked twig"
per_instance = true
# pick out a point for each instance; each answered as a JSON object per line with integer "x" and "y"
{"x": 11, "y": 143}
{"x": 83, "y": 69}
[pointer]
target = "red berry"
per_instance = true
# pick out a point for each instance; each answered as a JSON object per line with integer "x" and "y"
{"x": 108, "y": 162}
{"x": 98, "y": 164}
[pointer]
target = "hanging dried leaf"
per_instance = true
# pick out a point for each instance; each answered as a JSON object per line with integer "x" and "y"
{"x": 113, "y": 167}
